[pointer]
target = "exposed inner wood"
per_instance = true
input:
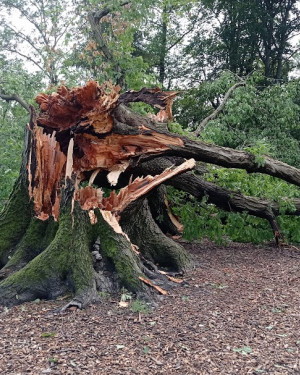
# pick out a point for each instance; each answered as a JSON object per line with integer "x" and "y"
{"x": 173, "y": 218}
{"x": 91, "y": 198}
{"x": 46, "y": 170}
{"x": 74, "y": 133}
{"x": 108, "y": 151}
{"x": 148, "y": 282}
{"x": 84, "y": 106}
{"x": 69, "y": 164}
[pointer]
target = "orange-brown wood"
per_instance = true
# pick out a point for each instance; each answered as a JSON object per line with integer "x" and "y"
{"x": 48, "y": 173}
{"x": 107, "y": 152}
{"x": 91, "y": 198}
{"x": 173, "y": 218}
{"x": 148, "y": 282}
{"x": 84, "y": 106}
{"x": 74, "y": 134}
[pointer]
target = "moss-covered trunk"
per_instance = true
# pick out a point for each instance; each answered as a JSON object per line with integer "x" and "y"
{"x": 61, "y": 231}
{"x": 138, "y": 223}
{"x": 47, "y": 258}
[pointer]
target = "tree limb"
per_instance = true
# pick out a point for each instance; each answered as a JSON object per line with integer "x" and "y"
{"x": 218, "y": 110}
{"x": 211, "y": 153}
{"x": 15, "y": 97}
{"x": 184, "y": 34}
{"x": 228, "y": 200}
{"x": 104, "y": 12}
{"x": 94, "y": 20}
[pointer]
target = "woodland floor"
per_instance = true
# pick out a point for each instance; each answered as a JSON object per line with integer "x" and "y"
{"x": 238, "y": 314}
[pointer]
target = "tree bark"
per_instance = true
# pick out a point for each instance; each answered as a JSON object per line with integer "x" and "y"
{"x": 70, "y": 235}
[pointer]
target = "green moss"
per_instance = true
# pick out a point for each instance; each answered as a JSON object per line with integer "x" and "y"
{"x": 128, "y": 275}
{"x": 38, "y": 236}
{"x": 116, "y": 247}
{"x": 153, "y": 244}
{"x": 65, "y": 264}
{"x": 14, "y": 219}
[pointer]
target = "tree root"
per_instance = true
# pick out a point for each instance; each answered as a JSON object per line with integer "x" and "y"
{"x": 139, "y": 224}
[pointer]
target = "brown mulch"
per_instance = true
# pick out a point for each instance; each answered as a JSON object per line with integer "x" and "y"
{"x": 238, "y": 313}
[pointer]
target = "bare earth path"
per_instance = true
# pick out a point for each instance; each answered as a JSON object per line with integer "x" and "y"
{"x": 238, "y": 314}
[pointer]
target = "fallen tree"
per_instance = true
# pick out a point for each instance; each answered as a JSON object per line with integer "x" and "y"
{"x": 82, "y": 216}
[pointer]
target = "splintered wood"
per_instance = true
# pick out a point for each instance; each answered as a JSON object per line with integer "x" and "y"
{"x": 45, "y": 170}
{"x": 90, "y": 197}
{"x": 73, "y": 139}
{"x": 115, "y": 148}
{"x": 148, "y": 282}
{"x": 86, "y": 106}
{"x": 175, "y": 222}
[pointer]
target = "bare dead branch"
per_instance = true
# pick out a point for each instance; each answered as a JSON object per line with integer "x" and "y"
{"x": 218, "y": 110}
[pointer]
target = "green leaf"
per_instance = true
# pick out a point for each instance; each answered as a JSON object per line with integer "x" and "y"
{"x": 244, "y": 350}
{"x": 48, "y": 334}
{"x": 146, "y": 350}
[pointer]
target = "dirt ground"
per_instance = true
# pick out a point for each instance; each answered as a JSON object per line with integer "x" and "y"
{"x": 238, "y": 313}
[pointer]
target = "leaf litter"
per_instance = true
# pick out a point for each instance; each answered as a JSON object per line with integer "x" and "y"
{"x": 238, "y": 312}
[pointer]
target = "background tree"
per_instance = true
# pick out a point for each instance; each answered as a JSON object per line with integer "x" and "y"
{"x": 162, "y": 36}
{"x": 36, "y": 32}
{"x": 249, "y": 35}
{"x": 17, "y": 89}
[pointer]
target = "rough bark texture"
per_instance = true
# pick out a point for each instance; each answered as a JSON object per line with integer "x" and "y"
{"x": 75, "y": 236}
{"x": 69, "y": 238}
{"x": 139, "y": 224}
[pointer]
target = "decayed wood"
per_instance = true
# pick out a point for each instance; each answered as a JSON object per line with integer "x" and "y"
{"x": 78, "y": 137}
{"x": 107, "y": 152}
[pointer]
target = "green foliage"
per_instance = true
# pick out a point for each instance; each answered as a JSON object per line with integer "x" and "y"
{"x": 139, "y": 306}
{"x": 205, "y": 220}
{"x": 13, "y": 118}
{"x": 142, "y": 108}
{"x": 175, "y": 127}
{"x": 262, "y": 119}
{"x": 48, "y": 334}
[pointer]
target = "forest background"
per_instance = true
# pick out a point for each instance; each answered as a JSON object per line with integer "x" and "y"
{"x": 234, "y": 64}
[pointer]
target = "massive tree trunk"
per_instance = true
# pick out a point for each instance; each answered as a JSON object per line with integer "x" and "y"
{"x": 88, "y": 212}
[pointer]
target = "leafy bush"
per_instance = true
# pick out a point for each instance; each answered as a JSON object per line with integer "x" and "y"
{"x": 201, "y": 219}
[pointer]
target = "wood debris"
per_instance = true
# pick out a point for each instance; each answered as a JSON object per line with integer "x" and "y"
{"x": 148, "y": 282}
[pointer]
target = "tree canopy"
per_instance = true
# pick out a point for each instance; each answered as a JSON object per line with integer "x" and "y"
{"x": 202, "y": 49}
